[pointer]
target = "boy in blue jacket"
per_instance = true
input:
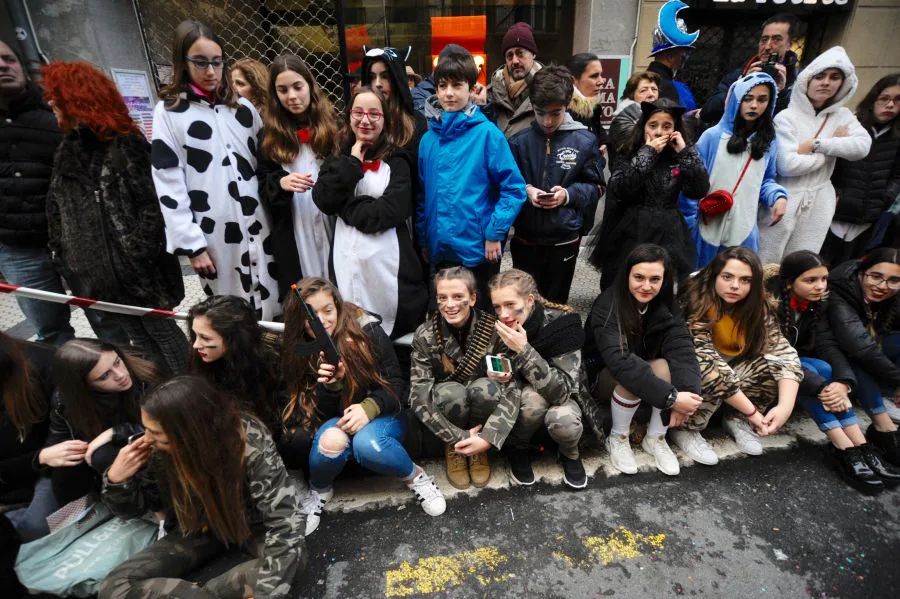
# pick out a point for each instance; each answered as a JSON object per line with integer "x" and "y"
{"x": 559, "y": 158}
{"x": 472, "y": 189}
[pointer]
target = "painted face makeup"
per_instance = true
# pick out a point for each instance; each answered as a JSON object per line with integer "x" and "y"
{"x": 455, "y": 301}
{"x": 208, "y": 343}
{"x": 755, "y": 103}
{"x": 511, "y": 307}
{"x": 109, "y": 375}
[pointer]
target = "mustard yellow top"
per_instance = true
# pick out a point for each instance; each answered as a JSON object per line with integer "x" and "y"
{"x": 728, "y": 340}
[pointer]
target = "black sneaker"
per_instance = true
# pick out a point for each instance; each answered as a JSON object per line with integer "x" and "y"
{"x": 573, "y": 472}
{"x": 520, "y": 467}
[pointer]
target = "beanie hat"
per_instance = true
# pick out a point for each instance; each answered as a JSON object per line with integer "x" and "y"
{"x": 519, "y": 34}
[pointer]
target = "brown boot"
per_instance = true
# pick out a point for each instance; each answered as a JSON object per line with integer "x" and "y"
{"x": 457, "y": 469}
{"x": 480, "y": 469}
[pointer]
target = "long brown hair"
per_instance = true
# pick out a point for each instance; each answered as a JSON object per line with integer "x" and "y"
{"x": 247, "y": 370}
{"x": 749, "y": 314}
{"x": 357, "y": 354}
{"x": 257, "y": 76}
{"x": 279, "y": 140}
{"x": 72, "y": 363}
{"x": 402, "y": 125}
{"x": 23, "y": 401}
{"x": 204, "y": 460}
{"x": 385, "y": 142}
{"x": 186, "y": 33}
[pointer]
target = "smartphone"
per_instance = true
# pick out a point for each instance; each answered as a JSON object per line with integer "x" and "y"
{"x": 546, "y": 196}
{"x": 134, "y": 437}
{"x": 498, "y": 364}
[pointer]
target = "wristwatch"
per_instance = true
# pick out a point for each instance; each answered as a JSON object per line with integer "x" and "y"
{"x": 670, "y": 400}
{"x": 816, "y": 144}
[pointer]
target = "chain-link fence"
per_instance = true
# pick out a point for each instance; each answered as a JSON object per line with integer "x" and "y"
{"x": 260, "y": 29}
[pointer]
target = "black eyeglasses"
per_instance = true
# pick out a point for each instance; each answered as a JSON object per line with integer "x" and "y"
{"x": 203, "y": 63}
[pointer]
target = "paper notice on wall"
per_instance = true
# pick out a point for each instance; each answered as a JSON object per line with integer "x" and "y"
{"x": 135, "y": 89}
{"x": 616, "y": 71}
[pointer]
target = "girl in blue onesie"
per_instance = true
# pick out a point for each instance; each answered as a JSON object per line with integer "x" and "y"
{"x": 745, "y": 136}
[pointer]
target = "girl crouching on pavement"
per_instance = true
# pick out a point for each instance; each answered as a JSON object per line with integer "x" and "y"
{"x": 864, "y": 313}
{"x": 744, "y": 359}
{"x": 638, "y": 348}
{"x": 230, "y": 352}
{"x": 544, "y": 342}
{"x": 351, "y": 409}
{"x": 449, "y": 391}
{"x": 217, "y": 475}
{"x": 800, "y": 289}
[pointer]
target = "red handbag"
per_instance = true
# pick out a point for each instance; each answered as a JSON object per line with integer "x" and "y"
{"x": 720, "y": 201}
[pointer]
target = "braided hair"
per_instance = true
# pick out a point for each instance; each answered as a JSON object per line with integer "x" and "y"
{"x": 525, "y": 285}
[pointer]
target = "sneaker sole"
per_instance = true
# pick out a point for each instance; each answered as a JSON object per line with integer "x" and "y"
{"x": 515, "y": 479}
{"x": 751, "y": 453}
{"x": 573, "y": 485}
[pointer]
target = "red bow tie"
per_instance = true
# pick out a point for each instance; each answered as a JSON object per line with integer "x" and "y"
{"x": 304, "y": 134}
{"x": 371, "y": 165}
{"x": 799, "y": 305}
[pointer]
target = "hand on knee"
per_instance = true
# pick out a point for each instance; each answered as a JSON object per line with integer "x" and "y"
{"x": 333, "y": 442}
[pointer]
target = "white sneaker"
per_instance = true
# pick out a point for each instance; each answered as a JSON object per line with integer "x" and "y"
{"x": 892, "y": 410}
{"x": 430, "y": 497}
{"x": 695, "y": 447}
{"x": 312, "y": 506}
{"x": 666, "y": 462}
{"x": 747, "y": 441}
{"x": 620, "y": 454}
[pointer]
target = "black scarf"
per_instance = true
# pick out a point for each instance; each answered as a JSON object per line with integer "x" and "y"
{"x": 561, "y": 336}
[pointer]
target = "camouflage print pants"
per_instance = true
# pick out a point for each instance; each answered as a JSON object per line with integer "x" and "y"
{"x": 757, "y": 379}
{"x": 466, "y": 406}
{"x": 563, "y": 422}
{"x": 159, "y": 570}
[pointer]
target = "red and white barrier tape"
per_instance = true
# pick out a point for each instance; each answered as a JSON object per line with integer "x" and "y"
{"x": 84, "y": 303}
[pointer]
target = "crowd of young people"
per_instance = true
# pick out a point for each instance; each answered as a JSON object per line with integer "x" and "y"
{"x": 286, "y": 213}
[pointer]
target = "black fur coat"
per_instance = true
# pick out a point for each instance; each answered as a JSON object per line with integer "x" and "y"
{"x": 106, "y": 228}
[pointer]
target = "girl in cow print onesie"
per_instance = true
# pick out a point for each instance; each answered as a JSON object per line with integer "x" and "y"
{"x": 204, "y": 162}
{"x": 368, "y": 187}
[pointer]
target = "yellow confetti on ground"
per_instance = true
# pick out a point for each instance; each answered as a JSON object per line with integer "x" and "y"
{"x": 564, "y": 558}
{"x": 622, "y": 544}
{"x": 442, "y": 572}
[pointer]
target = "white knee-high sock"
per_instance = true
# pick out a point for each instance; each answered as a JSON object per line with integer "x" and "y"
{"x": 622, "y": 412}
{"x": 656, "y": 428}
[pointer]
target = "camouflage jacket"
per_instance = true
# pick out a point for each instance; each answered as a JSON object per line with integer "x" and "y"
{"x": 272, "y": 498}
{"x": 556, "y": 380}
{"x": 426, "y": 361}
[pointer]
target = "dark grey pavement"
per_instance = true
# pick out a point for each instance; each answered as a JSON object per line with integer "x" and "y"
{"x": 782, "y": 525}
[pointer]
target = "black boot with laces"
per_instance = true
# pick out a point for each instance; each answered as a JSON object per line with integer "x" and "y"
{"x": 853, "y": 469}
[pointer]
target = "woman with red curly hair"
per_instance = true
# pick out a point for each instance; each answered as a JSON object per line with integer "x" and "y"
{"x": 106, "y": 229}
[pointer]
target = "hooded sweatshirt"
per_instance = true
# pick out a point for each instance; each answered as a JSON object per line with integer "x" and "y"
{"x": 471, "y": 186}
{"x": 396, "y": 65}
{"x": 757, "y": 188}
{"x": 806, "y": 177}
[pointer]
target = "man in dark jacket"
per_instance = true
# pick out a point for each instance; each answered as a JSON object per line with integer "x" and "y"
{"x": 561, "y": 164}
{"x": 29, "y": 136}
{"x": 775, "y": 45}
{"x": 507, "y": 92}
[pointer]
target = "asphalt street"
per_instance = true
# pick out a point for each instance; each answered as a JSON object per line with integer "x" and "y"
{"x": 781, "y": 525}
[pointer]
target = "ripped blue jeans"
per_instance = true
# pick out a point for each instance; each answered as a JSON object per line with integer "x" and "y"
{"x": 377, "y": 447}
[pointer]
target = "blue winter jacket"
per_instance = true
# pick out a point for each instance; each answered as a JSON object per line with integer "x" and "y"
{"x": 471, "y": 185}
{"x": 572, "y": 161}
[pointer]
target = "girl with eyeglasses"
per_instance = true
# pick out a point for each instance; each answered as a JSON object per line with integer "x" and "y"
{"x": 864, "y": 313}
{"x": 301, "y": 132}
{"x": 800, "y": 288}
{"x": 869, "y": 189}
{"x": 368, "y": 187}
{"x": 204, "y": 170}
